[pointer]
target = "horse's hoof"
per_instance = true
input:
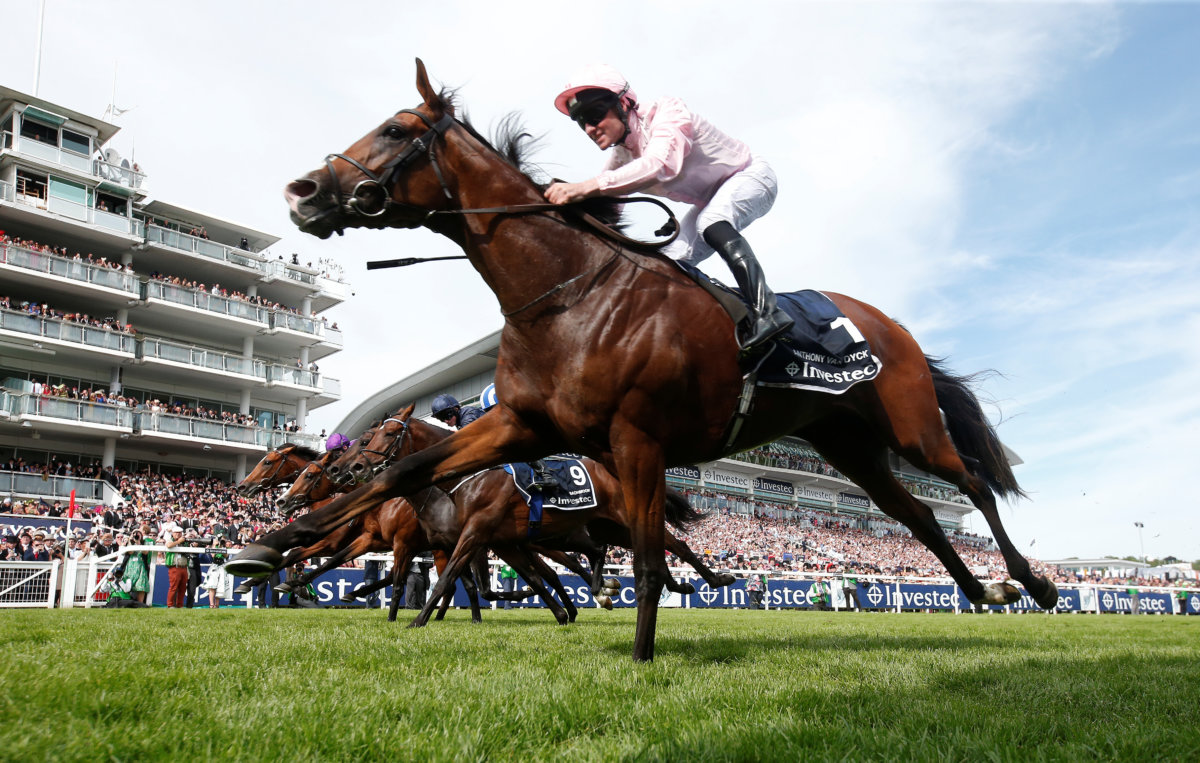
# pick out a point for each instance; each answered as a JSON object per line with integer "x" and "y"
{"x": 687, "y": 589}
{"x": 254, "y": 561}
{"x": 612, "y": 583}
{"x": 604, "y": 602}
{"x": 284, "y": 588}
{"x": 724, "y": 579}
{"x": 244, "y": 587}
{"x": 346, "y": 598}
{"x": 1049, "y": 598}
{"x": 999, "y": 594}
{"x": 563, "y": 619}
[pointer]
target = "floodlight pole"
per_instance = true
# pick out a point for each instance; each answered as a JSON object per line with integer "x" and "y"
{"x": 37, "y": 63}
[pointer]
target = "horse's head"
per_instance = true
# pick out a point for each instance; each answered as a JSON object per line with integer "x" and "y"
{"x": 389, "y": 178}
{"x": 275, "y": 467}
{"x": 391, "y": 441}
{"x": 311, "y": 484}
{"x": 339, "y": 470}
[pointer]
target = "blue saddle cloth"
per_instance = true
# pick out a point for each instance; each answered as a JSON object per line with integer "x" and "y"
{"x": 822, "y": 352}
{"x": 573, "y": 488}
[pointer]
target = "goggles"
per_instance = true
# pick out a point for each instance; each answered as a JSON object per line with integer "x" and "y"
{"x": 590, "y": 107}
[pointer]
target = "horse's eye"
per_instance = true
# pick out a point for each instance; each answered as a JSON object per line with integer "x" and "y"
{"x": 395, "y": 132}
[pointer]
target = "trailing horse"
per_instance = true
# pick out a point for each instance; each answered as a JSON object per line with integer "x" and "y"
{"x": 645, "y": 374}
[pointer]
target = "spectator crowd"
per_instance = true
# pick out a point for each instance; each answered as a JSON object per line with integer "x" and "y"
{"x": 734, "y": 533}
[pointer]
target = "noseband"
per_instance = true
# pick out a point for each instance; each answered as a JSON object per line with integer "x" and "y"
{"x": 388, "y": 454}
{"x": 376, "y": 189}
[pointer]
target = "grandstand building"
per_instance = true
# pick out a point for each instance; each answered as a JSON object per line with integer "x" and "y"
{"x": 137, "y": 333}
{"x": 781, "y": 479}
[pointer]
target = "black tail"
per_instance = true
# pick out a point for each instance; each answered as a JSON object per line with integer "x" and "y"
{"x": 971, "y": 432}
{"x": 679, "y": 512}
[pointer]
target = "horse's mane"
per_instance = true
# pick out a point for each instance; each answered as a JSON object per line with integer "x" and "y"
{"x": 304, "y": 451}
{"x": 513, "y": 143}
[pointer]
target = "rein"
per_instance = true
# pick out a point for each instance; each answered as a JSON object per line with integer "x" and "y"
{"x": 372, "y": 197}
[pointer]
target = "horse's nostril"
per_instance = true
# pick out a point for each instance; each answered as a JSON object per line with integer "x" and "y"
{"x": 301, "y": 189}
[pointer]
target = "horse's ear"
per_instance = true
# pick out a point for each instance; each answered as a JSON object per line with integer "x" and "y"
{"x": 407, "y": 413}
{"x": 424, "y": 88}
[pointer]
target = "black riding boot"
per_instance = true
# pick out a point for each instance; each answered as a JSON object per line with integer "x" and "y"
{"x": 542, "y": 478}
{"x": 766, "y": 317}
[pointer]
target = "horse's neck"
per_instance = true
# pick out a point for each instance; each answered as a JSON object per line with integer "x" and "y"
{"x": 522, "y": 257}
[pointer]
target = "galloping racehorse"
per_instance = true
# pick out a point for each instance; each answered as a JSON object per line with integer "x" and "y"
{"x": 492, "y": 512}
{"x": 276, "y": 468}
{"x": 644, "y": 373}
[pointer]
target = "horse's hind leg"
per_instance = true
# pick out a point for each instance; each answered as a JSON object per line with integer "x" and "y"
{"x": 856, "y": 451}
{"x": 685, "y": 554}
{"x": 922, "y": 440}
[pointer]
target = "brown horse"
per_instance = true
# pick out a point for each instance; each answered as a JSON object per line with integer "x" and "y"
{"x": 276, "y": 468}
{"x": 493, "y": 513}
{"x": 394, "y": 525}
{"x": 644, "y": 370}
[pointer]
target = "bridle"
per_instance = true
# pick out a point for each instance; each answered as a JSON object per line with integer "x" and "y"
{"x": 388, "y": 454}
{"x": 372, "y": 197}
{"x": 278, "y": 466}
{"x": 377, "y": 187}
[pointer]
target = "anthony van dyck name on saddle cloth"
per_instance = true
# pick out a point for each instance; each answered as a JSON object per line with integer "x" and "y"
{"x": 823, "y": 352}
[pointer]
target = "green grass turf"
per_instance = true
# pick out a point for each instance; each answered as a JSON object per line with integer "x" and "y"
{"x": 297, "y": 685}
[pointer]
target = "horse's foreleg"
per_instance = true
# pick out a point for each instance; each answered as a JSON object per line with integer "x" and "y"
{"x": 530, "y": 568}
{"x": 640, "y": 468}
{"x": 262, "y": 557}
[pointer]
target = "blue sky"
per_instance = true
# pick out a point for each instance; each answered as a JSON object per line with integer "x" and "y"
{"x": 1016, "y": 182}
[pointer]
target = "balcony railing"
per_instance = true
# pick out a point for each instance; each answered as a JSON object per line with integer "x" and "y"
{"x": 125, "y": 176}
{"x": 275, "y": 439}
{"x": 202, "y": 246}
{"x": 65, "y": 267}
{"x": 297, "y": 376}
{"x": 33, "y": 483}
{"x": 203, "y": 300}
{"x": 205, "y": 429}
{"x": 66, "y": 331}
{"x": 65, "y": 409}
{"x": 201, "y": 357}
{"x": 73, "y": 210}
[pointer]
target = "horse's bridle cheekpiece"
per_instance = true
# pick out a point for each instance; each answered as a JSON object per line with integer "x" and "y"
{"x": 373, "y": 197}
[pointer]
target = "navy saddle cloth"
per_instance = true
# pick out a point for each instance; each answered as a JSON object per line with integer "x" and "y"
{"x": 573, "y": 488}
{"x": 822, "y": 352}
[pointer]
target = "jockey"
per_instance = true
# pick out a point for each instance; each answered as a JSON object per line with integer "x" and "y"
{"x": 447, "y": 410}
{"x": 666, "y": 150}
{"x": 337, "y": 441}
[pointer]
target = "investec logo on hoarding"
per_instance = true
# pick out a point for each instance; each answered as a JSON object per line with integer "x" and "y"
{"x": 850, "y": 499}
{"x": 714, "y": 477}
{"x": 773, "y": 486}
{"x": 687, "y": 472}
{"x": 909, "y": 596}
{"x": 814, "y": 493}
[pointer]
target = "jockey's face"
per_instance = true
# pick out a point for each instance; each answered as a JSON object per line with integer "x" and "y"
{"x": 608, "y": 132}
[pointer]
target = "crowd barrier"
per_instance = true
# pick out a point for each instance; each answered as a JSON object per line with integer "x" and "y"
{"x": 29, "y": 584}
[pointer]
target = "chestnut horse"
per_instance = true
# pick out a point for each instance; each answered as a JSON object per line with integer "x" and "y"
{"x": 277, "y": 467}
{"x": 493, "y": 513}
{"x": 620, "y": 356}
{"x": 394, "y": 525}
